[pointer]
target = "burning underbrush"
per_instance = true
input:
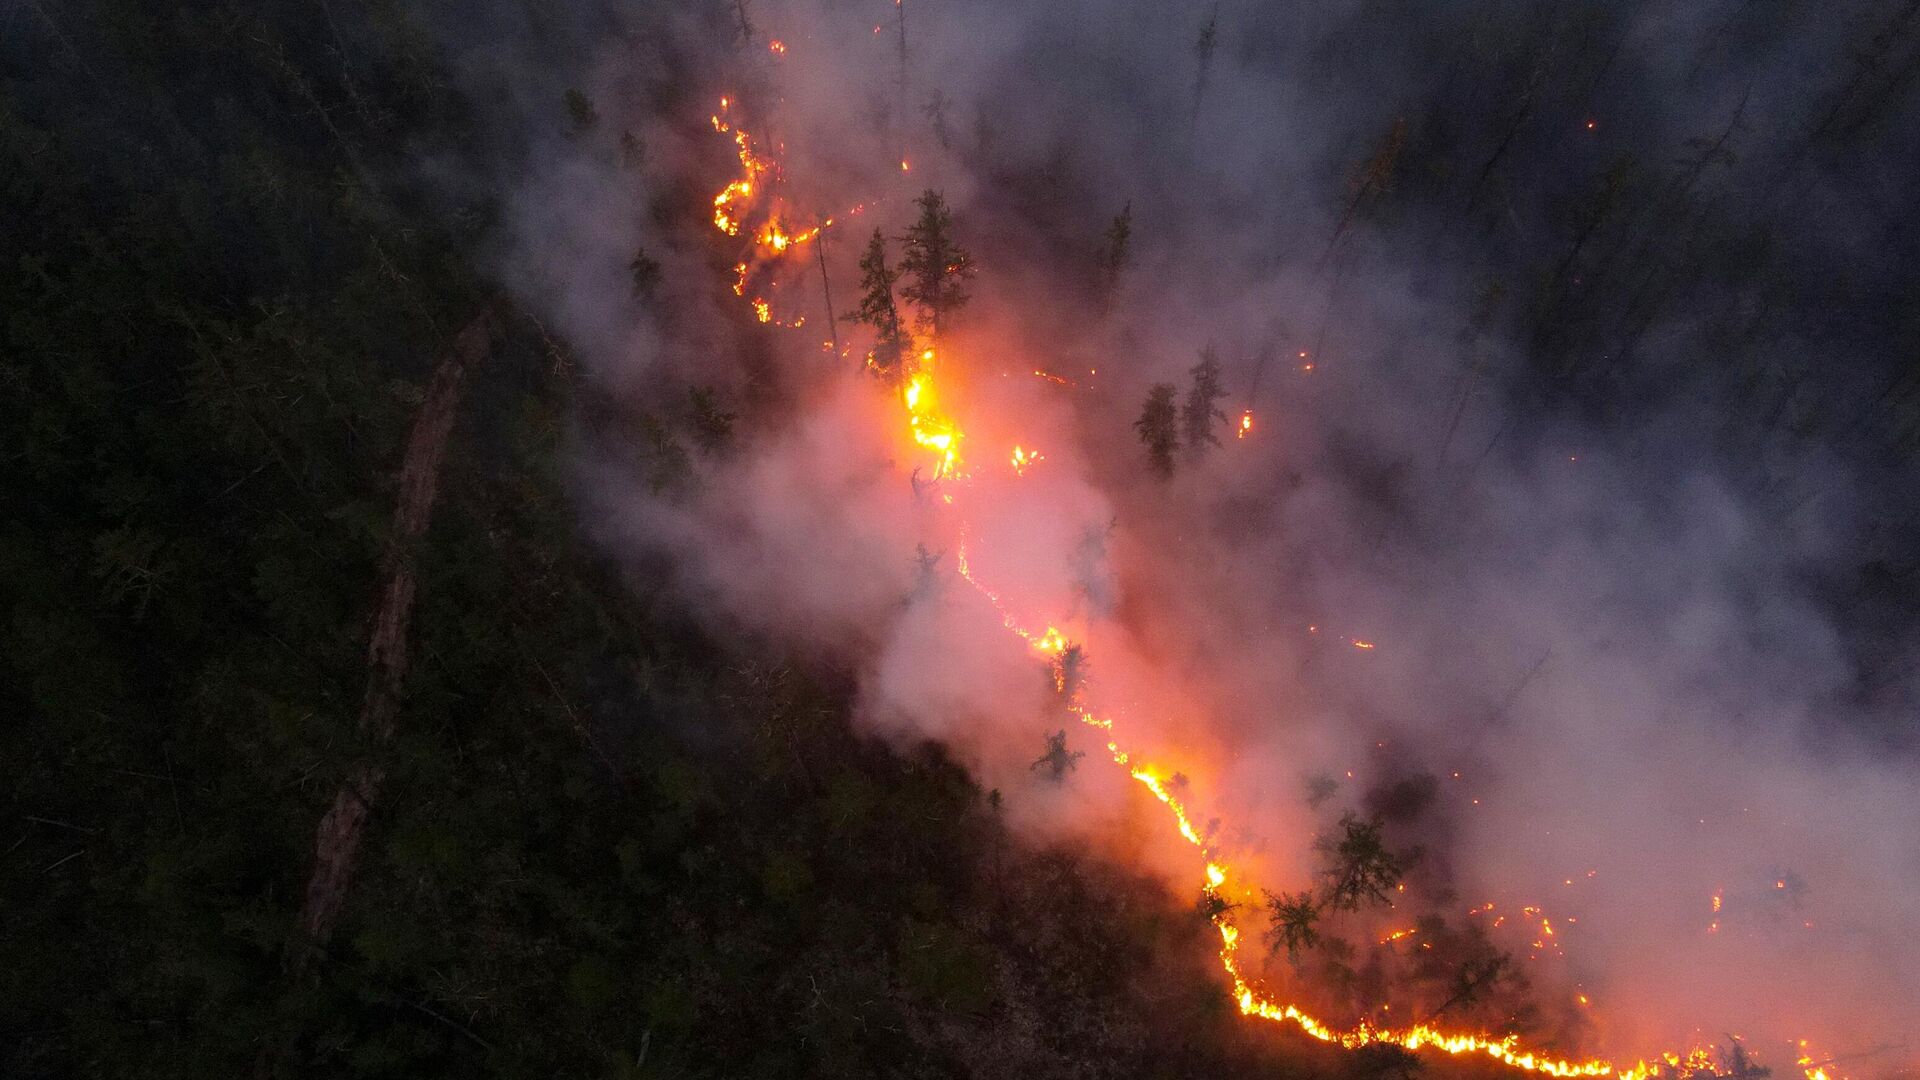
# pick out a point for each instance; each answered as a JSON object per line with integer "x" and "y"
{"x": 1101, "y": 613}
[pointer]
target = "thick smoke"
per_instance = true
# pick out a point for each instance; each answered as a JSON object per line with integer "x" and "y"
{"x": 1613, "y": 639}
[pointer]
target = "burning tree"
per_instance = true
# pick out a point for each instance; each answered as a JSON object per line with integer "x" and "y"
{"x": 1069, "y": 671}
{"x": 936, "y": 266}
{"x": 878, "y": 310}
{"x": 1200, "y": 411}
{"x": 1158, "y": 428}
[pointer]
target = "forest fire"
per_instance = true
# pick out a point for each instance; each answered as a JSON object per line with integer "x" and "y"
{"x": 751, "y": 166}
{"x": 935, "y": 432}
{"x": 931, "y": 429}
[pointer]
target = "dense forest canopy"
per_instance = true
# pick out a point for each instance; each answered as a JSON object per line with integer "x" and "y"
{"x": 452, "y": 630}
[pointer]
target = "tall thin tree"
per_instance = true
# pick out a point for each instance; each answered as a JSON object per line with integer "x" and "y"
{"x": 878, "y": 310}
{"x": 936, "y": 267}
{"x": 1202, "y": 409}
{"x": 1158, "y": 428}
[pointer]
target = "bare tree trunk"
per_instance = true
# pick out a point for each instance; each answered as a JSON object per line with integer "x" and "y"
{"x": 343, "y": 828}
{"x": 826, "y": 286}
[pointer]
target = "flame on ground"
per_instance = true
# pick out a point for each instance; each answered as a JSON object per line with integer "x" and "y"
{"x": 931, "y": 429}
{"x": 934, "y": 431}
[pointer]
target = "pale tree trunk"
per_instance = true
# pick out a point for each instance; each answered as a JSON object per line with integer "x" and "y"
{"x": 343, "y": 828}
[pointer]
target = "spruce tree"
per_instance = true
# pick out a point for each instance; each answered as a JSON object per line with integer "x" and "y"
{"x": 1197, "y": 417}
{"x": 935, "y": 266}
{"x": 1158, "y": 428}
{"x": 878, "y": 310}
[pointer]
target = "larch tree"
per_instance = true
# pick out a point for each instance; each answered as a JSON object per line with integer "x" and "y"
{"x": 936, "y": 267}
{"x": 1201, "y": 409}
{"x": 1158, "y": 428}
{"x": 878, "y": 310}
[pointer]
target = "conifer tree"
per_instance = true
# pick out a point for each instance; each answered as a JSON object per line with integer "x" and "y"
{"x": 1158, "y": 428}
{"x": 1058, "y": 760}
{"x": 935, "y": 266}
{"x": 1197, "y": 417}
{"x": 1113, "y": 255}
{"x": 1291, "y": 919}
{"x": 878, "y": 310}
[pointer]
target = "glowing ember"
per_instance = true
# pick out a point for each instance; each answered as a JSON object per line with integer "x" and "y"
{"x": 1246, "y": 424}
{"x": 1024, "y": 458}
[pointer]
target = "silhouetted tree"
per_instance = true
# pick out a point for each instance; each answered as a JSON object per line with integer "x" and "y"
{"x": 581, "y": 111}
{"x": 1158, "y": 428}
{"x": 878, "y": 310}
{"x": 1114, "y": 252}
{"x": 1474, "y": 980}
{"x": 1200, "y": 411}
{"x": 1203, "y": 47}
{"x": 1362, "y": 868}
{"x": 1058, "y": 760}
{"x": 1291, "y": 918}
{"x": 712, "y": 424}
{"x": 936, "y": 267}
{"x": 646, "y": 272}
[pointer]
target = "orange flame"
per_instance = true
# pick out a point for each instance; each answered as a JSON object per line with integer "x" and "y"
{"x": 934, "y": 431}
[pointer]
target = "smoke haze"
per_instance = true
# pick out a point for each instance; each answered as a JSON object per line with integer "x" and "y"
{"x": 1566, "y": 331}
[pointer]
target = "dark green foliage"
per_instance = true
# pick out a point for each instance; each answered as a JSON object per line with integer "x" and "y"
{"x": 645, "y": 270}
{"x": 1058, "y": 761}
{"x": 1202, "y": 404}
{"x": 580, "y": 111}
{"x": 878, "y": 310}
{"x": 1115, "y": 250}
{"x": 1360, "y": 868}
{"x": 610, "y": 846}
{"x": 711, "y": 422}
{"x": 1320, "y": 788}
{"x": 1291, "y": 920}
{"x": 1158, "y": 428}
{"x": 936, "y": 267}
